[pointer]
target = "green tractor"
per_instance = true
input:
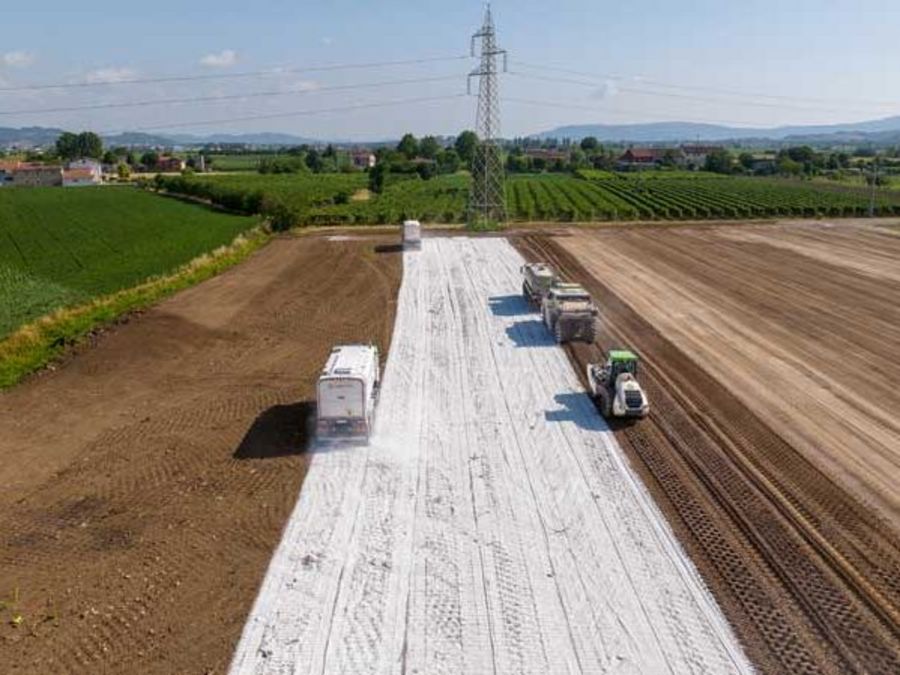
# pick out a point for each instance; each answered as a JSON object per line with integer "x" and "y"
{"x": 615, "y": 388}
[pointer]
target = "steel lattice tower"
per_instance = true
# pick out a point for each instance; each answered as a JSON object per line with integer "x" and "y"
{"x": 487, "y": 198}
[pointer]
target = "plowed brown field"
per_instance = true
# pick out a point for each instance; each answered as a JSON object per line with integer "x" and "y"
{"x": 773, "y": 444}
{"x": 145, "y": 482}
{"x": 802, "y": 324}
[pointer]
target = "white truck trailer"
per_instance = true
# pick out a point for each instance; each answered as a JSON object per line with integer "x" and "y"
{"x": 347, "y": 393}
{"x": 412, "y": 234}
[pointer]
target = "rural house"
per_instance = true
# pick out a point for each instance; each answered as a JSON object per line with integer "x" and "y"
{"x": 548, "y": 155}
{"x": 695, "y": 155}
{"x": 363, "y": 159}
{"x": 637, "y": 158}
{"x": 7, "y": 173}
{"x": 167, "y": 164}
{"x": 81, "y": 177}
{"x": 94, "y": 167}
{"x": 38, "y": 175}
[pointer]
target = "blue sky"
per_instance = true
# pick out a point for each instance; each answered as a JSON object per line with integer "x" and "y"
{"x": 816, "y": 61}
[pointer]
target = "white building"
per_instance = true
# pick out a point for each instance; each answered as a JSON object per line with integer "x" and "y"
{"x": 91, "y": 165}
{"x": 363, "y": 159}
{"x": 695, "y": 155}
{"x": 81, "y": 177}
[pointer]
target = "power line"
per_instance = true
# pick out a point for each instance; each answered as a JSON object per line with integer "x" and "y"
{"x": 229, "y": 97}
{"x": 296, "y": 113}
{"x": 271, "y": 72}
{"x": 691, "y": 97}
{"x": 713, "y": 90}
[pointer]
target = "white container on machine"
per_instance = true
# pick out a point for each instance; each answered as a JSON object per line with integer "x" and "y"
{"x": 347, "y": 392}
{"x": 412, "y": 234}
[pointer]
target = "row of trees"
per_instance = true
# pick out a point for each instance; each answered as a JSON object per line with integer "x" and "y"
{"x": 88, "y": 145}
{"x": 426, "y": 157}
{"x": 589, "y": 154}
{"x": 792, "y": 161}
{"x": 430, "y": 156}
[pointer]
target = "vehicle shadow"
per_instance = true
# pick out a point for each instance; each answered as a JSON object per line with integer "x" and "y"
{"x": 530, "y": 333}
{"x": 579, "y": 409}
{"x": 509, "y": 305}
{"x": 280, "y": 431}
{"x": 389, "y": 248}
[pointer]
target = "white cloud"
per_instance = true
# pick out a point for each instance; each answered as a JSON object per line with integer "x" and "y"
{"x": 224, "y": 59}
{"x": 291, "y": 85}
{"x": 17, "y": 59}
{"x": 609, "y": 90}
{"x": 327, "y": 41}
{"x": 105, "y": 75}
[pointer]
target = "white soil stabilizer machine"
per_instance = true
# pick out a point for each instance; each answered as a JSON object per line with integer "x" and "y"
{"x": 412, "y": 235}
{"x": 347, "y": 393}
{"x": 569, "y": 313}
{"x": 536, "y": 281}
{"x": 615, "y": 388}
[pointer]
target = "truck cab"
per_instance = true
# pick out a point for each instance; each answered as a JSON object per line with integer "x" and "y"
{"x": 412, "y": 234}
{"x": 536, "y": 281}
{"x": 347, "y": 393}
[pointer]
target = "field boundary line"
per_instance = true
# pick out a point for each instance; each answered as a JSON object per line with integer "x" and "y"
{"x": 40, "y": 343}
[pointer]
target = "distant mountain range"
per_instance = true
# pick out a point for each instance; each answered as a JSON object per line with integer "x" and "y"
{"x": 248, "y": 139}
{"x": 879, "y": 132}
{"x": 884, "y": 131}
{"x": 44, "y": 136}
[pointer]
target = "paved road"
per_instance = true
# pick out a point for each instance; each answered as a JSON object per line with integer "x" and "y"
{"x": 492, "y": 526}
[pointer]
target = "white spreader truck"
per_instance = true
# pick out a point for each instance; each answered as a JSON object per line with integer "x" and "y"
{"x": 412, "y": 234}
{"x": 347, "y": 393}
{"x": 569, "y": 313}
{"x": 536, "y": 281}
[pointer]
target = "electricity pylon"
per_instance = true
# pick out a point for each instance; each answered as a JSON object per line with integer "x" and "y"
{"x": 487, "y": 198}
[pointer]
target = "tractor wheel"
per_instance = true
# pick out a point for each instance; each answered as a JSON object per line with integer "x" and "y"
{"x": 562, "y": 335}
{"x": 604, "y": 403}
{"x": 590, "y": 334}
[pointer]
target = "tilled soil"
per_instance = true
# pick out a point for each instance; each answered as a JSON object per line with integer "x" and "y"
{"x": 800, "y": 558}
{"x": 801, "y": 323}
{"x": 146, "y": 482}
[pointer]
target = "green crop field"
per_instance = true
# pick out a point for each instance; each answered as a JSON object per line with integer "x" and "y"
{"x": 560, "y": 197}
{"x": 327, "y": 199}
{"x": 235, "y": 162}
{"x": 60, "y": 247}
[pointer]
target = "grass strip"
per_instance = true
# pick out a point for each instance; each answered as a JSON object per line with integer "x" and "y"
{"x": 39, "y": 343}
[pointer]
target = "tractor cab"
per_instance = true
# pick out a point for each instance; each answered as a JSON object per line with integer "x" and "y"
{"x": 621, "y": 361}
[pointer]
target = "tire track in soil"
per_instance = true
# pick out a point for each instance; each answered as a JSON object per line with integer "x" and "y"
{"x": 752, "y": 511}
{"x": 149, "y": 534}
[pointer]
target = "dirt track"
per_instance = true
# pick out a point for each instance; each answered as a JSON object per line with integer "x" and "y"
{"x": 806, "y": 570}
{"x": 145, "y": 483}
